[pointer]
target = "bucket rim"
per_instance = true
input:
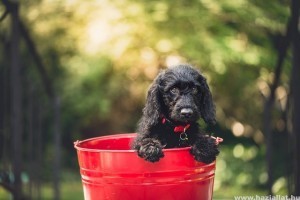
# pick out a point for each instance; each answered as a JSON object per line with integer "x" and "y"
{"x": 119, "y": 135}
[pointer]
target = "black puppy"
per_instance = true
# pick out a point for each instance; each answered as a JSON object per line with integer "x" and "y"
{"x": 177, "y": 98}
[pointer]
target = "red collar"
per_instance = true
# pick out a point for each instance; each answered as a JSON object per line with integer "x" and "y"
{"x": 177, "y": 129}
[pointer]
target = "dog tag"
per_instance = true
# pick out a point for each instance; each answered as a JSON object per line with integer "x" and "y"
{"x": 183, "y": 140}
{"x": 183, "y": 136}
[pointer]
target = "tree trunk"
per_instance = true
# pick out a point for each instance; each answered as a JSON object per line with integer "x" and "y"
{"x": 16, "y": 99}
{"x": 296, "y": 90}
{"x": 267, "y": 116}
{"x": 57, "y": 150}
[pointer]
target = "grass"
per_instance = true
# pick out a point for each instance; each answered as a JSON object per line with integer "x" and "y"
{"x": 227, "y": 192}
{"x": 73, "y": 191}
{"x": 240, "y": 171}
{"x": 69, "y": 191}
{"x": 4, "y": 194}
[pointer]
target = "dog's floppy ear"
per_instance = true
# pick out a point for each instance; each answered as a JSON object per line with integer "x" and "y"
{"x": 207, "y": 107}
{"x": 152, "y": 110}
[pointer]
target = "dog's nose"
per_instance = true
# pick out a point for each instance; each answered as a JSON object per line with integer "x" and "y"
{"x": 187, "y": 112}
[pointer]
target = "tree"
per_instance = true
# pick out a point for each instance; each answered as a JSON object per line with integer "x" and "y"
{"x": 295, "y": 88}
{"x": 16, "y": 96}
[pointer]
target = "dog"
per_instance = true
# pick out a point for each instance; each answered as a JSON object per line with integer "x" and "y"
{"x": 178, "y": 97}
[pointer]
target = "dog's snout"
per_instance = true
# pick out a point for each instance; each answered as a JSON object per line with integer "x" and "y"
{"x": 187, "y": 112}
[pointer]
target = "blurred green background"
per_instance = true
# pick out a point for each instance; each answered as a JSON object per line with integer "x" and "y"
{"x": 100, "y": 57}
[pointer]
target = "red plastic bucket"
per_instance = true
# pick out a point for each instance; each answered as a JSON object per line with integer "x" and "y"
{"x": 111, "y": 170}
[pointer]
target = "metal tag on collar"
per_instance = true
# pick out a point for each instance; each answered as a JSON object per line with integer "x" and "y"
{"x": 183, "y": 136}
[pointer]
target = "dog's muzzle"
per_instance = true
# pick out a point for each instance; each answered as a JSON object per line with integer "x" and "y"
{"x": 186, "y": 112}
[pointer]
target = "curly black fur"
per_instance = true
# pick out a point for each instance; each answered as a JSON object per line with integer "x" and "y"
{"x": 181, "y": 95}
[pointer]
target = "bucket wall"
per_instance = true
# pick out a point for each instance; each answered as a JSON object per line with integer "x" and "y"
{"x": 110, "y": 170}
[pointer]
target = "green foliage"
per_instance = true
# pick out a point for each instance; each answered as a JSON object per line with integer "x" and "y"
{"x": 232, "y": 170}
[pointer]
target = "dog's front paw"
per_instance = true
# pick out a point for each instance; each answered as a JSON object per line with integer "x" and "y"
{"x": 205, "y": 150}
{"x": 151, "y": 150}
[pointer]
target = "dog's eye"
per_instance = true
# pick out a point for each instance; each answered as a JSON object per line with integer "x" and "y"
{"x": 174, "y": 90}
{"x": 194, "y": 90}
